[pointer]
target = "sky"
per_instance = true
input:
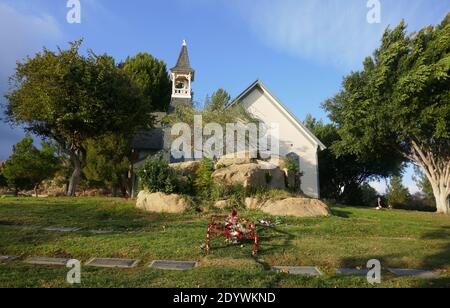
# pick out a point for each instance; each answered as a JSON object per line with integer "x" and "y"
{"x": 301, "y": 49}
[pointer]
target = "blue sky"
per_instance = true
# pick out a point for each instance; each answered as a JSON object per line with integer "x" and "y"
{"x": 301, "y": 49}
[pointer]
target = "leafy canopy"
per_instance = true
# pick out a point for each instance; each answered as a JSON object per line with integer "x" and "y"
{"x": 401, "y": 96}
{"x": 151, "y": 77}
{"x": 71, "y": 97}
{"x": 28, "y": 166}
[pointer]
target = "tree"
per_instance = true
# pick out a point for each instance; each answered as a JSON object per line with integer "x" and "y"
{"x": 424, "y": 185}
{"x": 3, "y": 182}
{"x": 369, "y": 195}
{"x": 218, "y": 101}
{"x": 397, "y": 106}
{"x": 397, "y": 195}
{"x": 107, "y": 163}
{"x": 72, "y": 98}
{"x": 213, "y": 112}
{"x": 28, "y": 167}
{"x": 342, "y": 176}
{"x": 152, "y": 79}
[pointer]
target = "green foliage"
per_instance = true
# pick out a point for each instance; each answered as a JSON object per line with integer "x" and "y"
{"x": 107, "y": 163}
{"x": 292, "y": 165}
{"x": 72, "y": 98}
{"x": 3, "y": 182}
{"x": 343, "y": 176}
{"x": 423, "y": 184}
{"x": 369, "y": 195}
{"x": 203, "y": 182}
{"x": 28, "y": 166}
{"x": 218, "y": 101}
{"x": 397, "y": 195}
{"x": 157, "y": 176}
{"x": 397, "y": 108}
{"x": 235, "y": 194}
{"x": 152, "y": 79}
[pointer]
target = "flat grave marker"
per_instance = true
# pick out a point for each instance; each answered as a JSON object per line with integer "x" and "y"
{"x": 48, "y": 261}
{"x": 298, "y": 270}
{"x": 5, "y": 259}
{"x": 112, "y": 263}
{"x": 403, "y": 272}
{"x": 63, "y": 229}
{"x": 101, "y": 231}
{"x": 173, "y": 265}
{"x": 352, "y": 272}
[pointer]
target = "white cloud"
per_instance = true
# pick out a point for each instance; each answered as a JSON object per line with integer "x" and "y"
{"x": 20, "y": 35}
{"x": 332, "y": 32}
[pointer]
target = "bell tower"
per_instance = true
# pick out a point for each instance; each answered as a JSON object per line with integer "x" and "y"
{"x": 182, "y": 76}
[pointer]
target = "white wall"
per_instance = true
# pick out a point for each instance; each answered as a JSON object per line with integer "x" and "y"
{"x": 292, "y": 138}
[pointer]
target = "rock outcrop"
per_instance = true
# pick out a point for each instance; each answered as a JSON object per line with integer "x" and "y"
{"x": 161, "y": 203}
{"x": 186, "y": 168}
{"x": 240, "y": 158}
{"x": 297, "y": 207}
{"x": 251, "y": 175}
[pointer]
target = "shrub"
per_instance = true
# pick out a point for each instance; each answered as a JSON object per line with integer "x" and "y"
{"x": 292, "y": 166}
{"x": 157, "y": 176}
{"x": 203, "y": 182}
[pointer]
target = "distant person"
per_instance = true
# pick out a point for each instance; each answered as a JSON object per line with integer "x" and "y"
{"x": 380, "y": 206}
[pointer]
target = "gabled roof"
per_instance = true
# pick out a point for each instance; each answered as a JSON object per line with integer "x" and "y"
{"x": 260, "y": 84}
{"x": 183, "y": 63}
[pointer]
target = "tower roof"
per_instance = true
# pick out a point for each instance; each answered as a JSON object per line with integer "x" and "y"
{"x": 183, "y": 63}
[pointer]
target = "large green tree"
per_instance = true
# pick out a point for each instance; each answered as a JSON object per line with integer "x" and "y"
{"x": 72, "y": 98}
{"x": 152, "y": 78}
{"x": 398, "y": 105}
{"x": 28, "y": 166}
{"x": 343, "y": 176}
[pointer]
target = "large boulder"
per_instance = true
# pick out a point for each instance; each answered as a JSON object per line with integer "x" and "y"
{"x": 253, "y": 203}
{"x": 239, "y": 158}
{"x": 221, "y": 204}
{"x": 186, "y": 168}
{"x": 298, "y": 207}
{"x": 161, "y": 203}
{"x": 250, "y": 175}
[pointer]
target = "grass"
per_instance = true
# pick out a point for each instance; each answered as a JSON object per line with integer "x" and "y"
{"x": 348, "y": 239}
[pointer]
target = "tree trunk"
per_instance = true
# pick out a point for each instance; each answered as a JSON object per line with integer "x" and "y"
{"x": 74, "y": 179}
{"x": 438, "y": 173}
{"x": 36, "y": 191}
{"x": 441, "y": 200}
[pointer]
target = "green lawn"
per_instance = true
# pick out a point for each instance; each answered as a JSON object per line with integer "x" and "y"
{"x": 348, "y": 239}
